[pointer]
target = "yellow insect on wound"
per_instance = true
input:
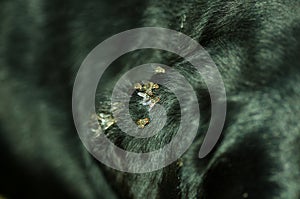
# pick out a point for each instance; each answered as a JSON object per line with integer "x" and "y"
{"x": 159, "y": 69}
{"x": 142, "y": 122}
{"x": 149, "y": 99}
{"x": 149, "y": 87}
{"x": 155, "y": 86}
{"x": 138, "y": 86}
{"x": 106, "y": 120}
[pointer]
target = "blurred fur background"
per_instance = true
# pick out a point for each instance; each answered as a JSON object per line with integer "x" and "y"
{"x": 255, "y": 45}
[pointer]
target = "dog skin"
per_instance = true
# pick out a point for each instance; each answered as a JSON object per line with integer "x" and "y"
{"x": 254, "y": 44}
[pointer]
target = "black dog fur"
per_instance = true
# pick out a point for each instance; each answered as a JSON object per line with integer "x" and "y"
{"x": 255, "y": 45}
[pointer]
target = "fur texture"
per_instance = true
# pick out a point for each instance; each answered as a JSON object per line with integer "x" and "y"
{"x": 255, "y": 45}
